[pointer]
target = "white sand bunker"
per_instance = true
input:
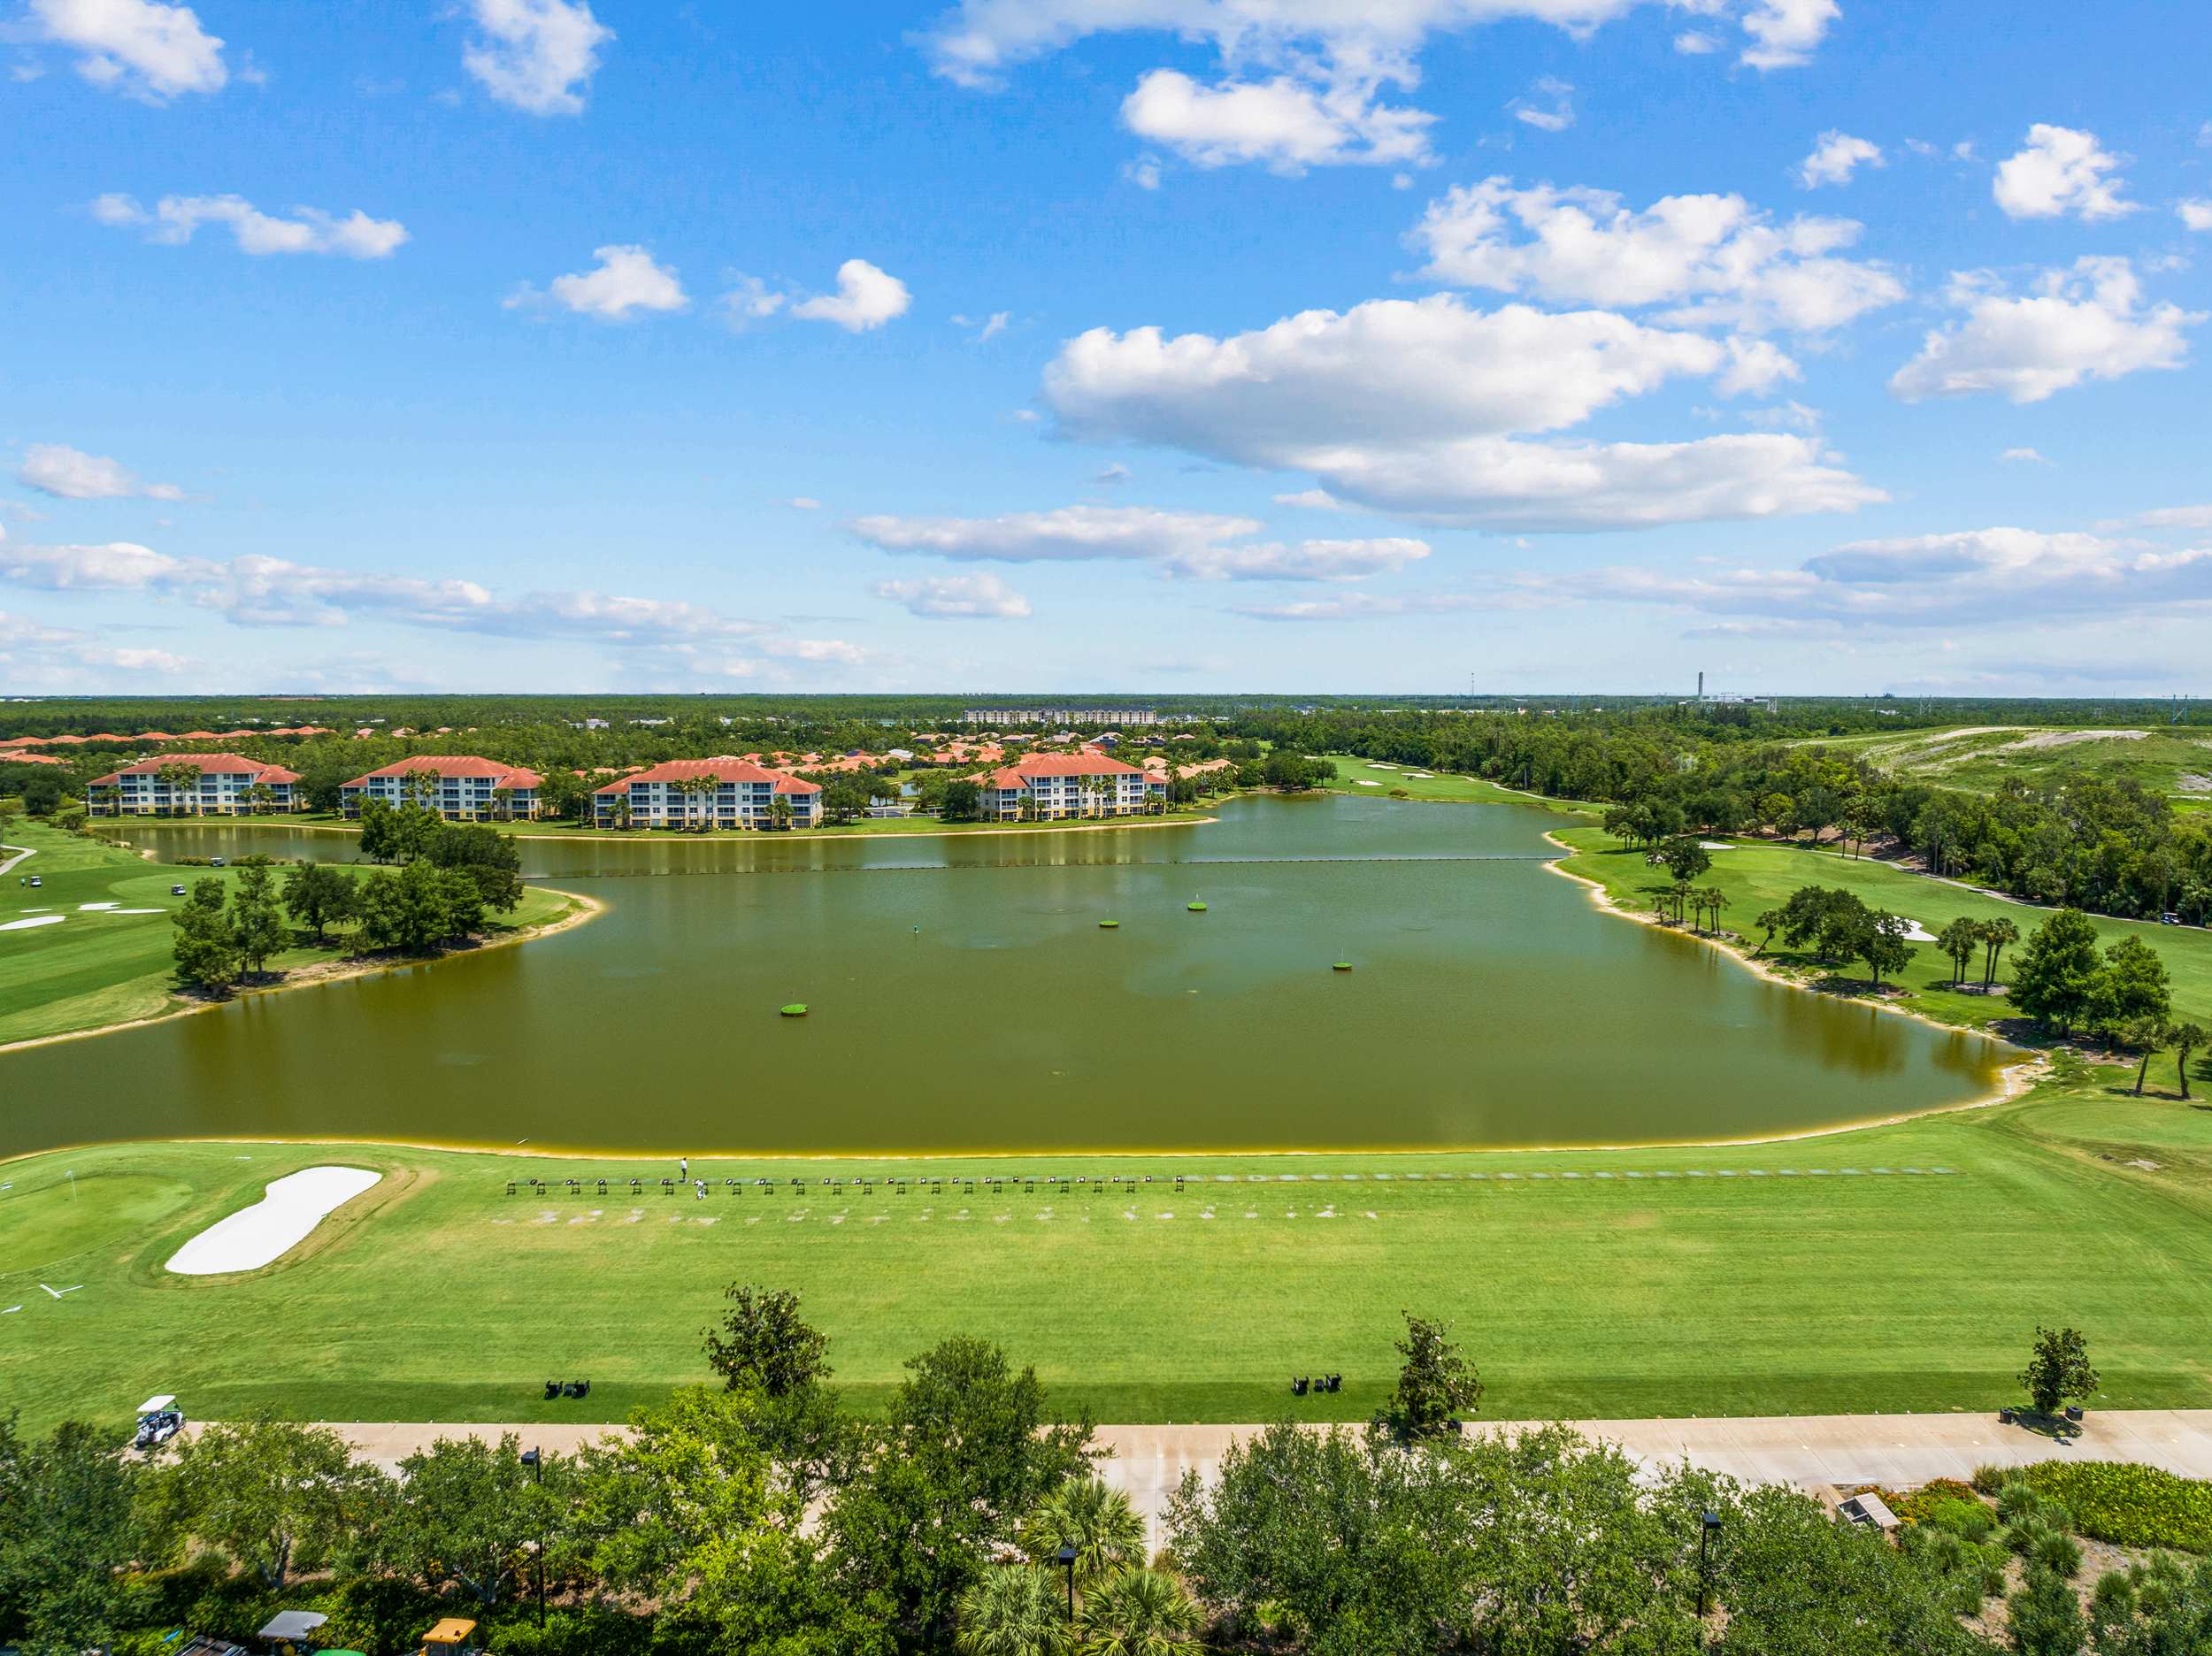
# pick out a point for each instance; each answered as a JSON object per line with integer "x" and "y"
{"x": 1919, "y": 933}
{"x": 278, "y": 1222}
{"x": 90, "y": 908}
{"x": 137, "y": 911}
{"x": 36, "y": 920}
{"x": 1363, "y": 782}
{"x": 1714, "y": 845}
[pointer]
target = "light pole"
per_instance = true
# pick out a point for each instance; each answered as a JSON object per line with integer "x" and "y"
{"x": 1066, "y": 1557}
{"x": 532, "y": 1459}
{"x": 1706, "y": 1528}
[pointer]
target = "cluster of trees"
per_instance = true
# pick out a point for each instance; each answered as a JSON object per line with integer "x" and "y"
{"x": 1837, "y": 927}
{"x": 761, "y": 1516}
{"x": 2064, "y": 981}
{"x": 453, "y": 878}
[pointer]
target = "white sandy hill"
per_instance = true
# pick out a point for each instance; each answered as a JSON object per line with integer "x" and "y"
{"x": 278, "y": 1222}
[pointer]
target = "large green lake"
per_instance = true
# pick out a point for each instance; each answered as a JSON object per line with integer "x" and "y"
{"x": 964, "y": 997}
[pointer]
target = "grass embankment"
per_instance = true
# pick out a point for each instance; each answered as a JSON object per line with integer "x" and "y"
{"x": 1663, "y": 1288}
{"x": 1758, "y": 876}
{"x": 1441, "y": 786}
{"x": 2172, "y": 760}
{"x": 100, "y": 968}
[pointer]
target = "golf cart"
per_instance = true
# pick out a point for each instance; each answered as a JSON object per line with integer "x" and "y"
{"x": 159, "y": 1419}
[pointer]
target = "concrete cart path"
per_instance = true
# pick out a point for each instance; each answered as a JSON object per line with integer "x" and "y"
{"x": 21, "y": 853}
{"x": 1805, "y": 1450}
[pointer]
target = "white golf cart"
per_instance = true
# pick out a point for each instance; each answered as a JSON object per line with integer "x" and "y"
{"x": 159, "y": 1419}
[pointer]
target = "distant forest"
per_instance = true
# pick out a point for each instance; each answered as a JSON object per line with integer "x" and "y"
{"x": 1670, "y": 767}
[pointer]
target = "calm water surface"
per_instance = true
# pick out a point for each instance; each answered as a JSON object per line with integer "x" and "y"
{"x": 964, "y": 997}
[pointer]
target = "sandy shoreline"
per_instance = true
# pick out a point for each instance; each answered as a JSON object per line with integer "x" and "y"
{"x": 587, "y": 909}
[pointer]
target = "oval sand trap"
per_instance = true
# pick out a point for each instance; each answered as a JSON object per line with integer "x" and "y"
{"x": 36, "y": 920}
{"x": 278, "y": 1222}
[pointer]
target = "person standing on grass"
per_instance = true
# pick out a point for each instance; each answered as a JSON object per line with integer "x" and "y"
{"x": 683, "y": 1167}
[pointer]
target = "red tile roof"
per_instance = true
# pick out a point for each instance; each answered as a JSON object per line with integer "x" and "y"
{"x": 228, "y": 763}
{"x": 1023, "y": 771}
{"x": 24, "y": 756}
{"x": 501, "y": 773}
{"x": 720, "y": 770}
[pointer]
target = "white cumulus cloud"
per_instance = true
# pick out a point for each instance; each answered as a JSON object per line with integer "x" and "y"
{"x": 627, "y": 279}
{"x": 2060, "y": 172}
{"x": 2194, "y": 215}
{"x": 1716, "y": 259}
{"x": 865, "y": 298}
{"x": 71, "y": 474}
{"x": 1784, "y": 32}
{"x": 949, "y": 597}
{"x": 138, "y": 47}
{"x": 535, "y": 55}
{"x": 1282, "y": 123}
{"x": 1836, "y": 158}
{"x": 1417, "y": 407}
{"x": 2089, "y": 322}
{"x": 1306, "y": 82}
{"x": 175, "y": 219}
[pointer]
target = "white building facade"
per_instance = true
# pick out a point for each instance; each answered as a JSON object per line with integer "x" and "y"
{"x": 226, "y": 784}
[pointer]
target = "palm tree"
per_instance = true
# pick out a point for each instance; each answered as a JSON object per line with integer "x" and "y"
{"x": 1959, "y": 941}
{"x": 2149, "y": 1034}
{"x": 779, "y": 811}
{"x": 1716, "y": 900}
{"x": 1771, "y": 919}
{"x": 1012, "y": 1611}
{"x": 1140, "y": 1613}
{"x": 2186, "y": 1038}
{"x": 502, "y": 804}
{"x": 182, "y": 780}
{"x": 1997, "y": 936}
{"x": 1097, "y": 1521}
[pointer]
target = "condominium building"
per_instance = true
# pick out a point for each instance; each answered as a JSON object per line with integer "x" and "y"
{"x": 460, "y": 787}
{"x": 1060, "y": 716}
{"x": 1046, "y": 786}
{"x": 224, "y": 784}
{"x": 707, "y": 793}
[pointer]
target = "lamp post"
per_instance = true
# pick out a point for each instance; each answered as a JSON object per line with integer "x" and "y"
{"x": 1706, "y": 1528}
{"x": 1065, "y": 1557}
{"x": 536, "y": 1463}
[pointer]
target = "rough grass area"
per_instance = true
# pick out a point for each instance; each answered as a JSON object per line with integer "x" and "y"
{"x": 1814, "y": 1275}
{"x": 97, "y": 968}
{"x": 2172, "y": 760}
{"x": 1758, "y": 876}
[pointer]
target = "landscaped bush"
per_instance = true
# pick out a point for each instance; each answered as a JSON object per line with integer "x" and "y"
{"x": 2127, "y": 1504}
{"x": 1945, "y": 1504}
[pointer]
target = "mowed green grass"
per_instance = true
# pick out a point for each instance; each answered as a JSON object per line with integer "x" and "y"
{"x": 1757, "y": 1279}
{"x": 1758, "y": 876}
{"x": 97, "y": 968}
{"x": 2170, "y": 760}
{"x": 1439, "y": 785}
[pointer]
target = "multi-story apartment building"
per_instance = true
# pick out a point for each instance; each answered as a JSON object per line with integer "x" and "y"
{"x": 1060, "y": 716}
{"x": 223, "y": 786}
{"x": 711, "y": 792}
{"x": 460, "y": 787}
{"x": 1068, "y": 785}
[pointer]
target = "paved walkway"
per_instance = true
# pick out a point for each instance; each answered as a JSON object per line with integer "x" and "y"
{"x": 21, "y": 853}
{"x": 1806, "y": 1450}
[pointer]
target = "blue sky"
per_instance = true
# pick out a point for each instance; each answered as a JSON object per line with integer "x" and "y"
{"x": 1180, "y": 345}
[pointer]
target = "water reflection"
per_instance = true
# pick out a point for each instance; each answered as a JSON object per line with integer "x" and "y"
{"x": 964, "y": 997}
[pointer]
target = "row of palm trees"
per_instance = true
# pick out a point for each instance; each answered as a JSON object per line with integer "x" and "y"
{"x": 1675, "y": 904}
{"x": 1108, "y": 1602}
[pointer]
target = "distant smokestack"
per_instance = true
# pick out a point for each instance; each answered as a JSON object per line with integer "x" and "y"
{"x": 1700, "y": 686}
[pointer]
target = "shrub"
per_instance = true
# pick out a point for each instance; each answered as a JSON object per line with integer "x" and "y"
{"x": 1968, "y": 1519}
{"x": 2128, "y": 1504}
{"x": 2056, "y": 1553}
